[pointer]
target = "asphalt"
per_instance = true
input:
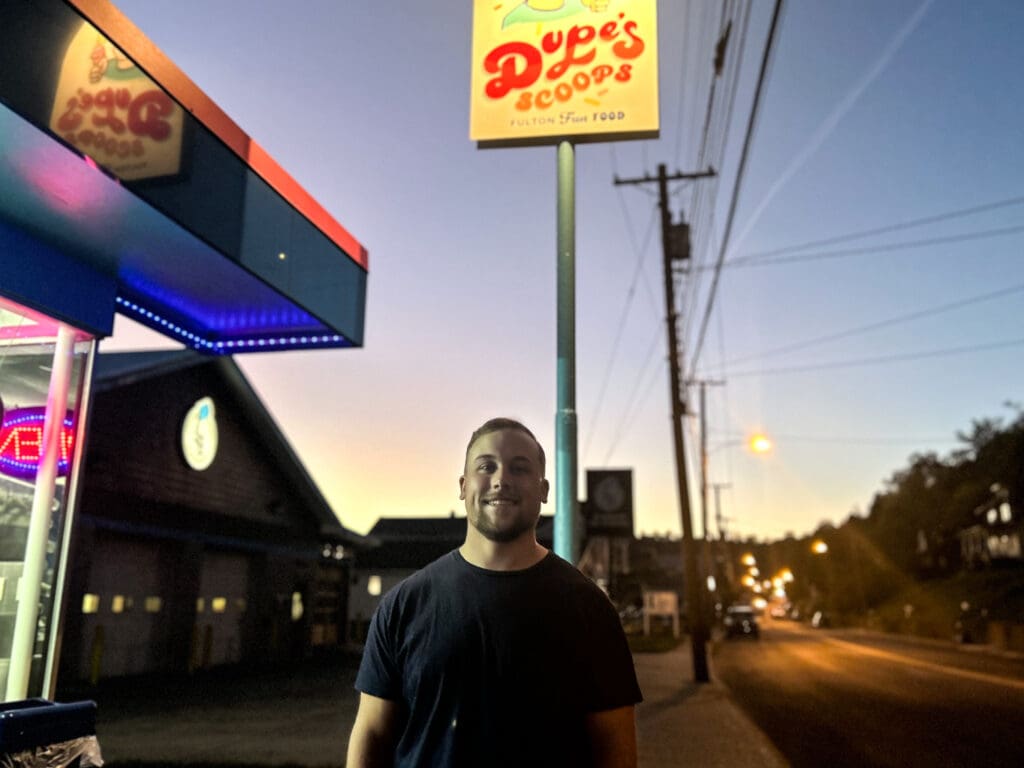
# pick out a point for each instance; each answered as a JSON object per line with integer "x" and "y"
{"x": 301, "y": 716}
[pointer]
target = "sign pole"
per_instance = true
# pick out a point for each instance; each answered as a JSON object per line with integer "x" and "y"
{"x": 566, "y": 544}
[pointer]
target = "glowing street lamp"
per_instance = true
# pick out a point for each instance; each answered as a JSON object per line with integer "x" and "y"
{"x": 819, "y": 547}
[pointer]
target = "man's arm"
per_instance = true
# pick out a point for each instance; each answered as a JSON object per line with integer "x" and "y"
{"x": 372, "y": 741}
{"x": 613, "y": 738}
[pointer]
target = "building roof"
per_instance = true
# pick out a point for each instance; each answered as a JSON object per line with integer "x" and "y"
{"x": 114, "y": 370}
{"x": 410, "y": 543}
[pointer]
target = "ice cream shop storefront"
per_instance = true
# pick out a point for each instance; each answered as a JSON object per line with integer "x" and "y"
{"x": 124, "y": 189}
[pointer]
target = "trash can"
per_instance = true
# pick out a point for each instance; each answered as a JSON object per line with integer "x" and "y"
{"x": 36, "y": 733}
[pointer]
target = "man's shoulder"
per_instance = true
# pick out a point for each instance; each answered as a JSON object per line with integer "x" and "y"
{"x": 569, "y": 573}
{"x": 425, "y": 579}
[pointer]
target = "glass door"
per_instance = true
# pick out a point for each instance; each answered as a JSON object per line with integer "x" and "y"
{"x": 44, "y": 372}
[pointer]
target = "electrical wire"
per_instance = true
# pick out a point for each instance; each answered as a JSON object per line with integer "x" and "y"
{"x": 625, "y": 421}
{"x": 882, "y": 360}
{"x": 880, "y": 324}
{"x": 962, "y": 237}
{"x": 885, "y": 229}
{"x": 630, "y": 294}
{"x": 755, "y": 110}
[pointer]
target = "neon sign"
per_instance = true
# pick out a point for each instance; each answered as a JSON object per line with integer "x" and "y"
{"x": 21, "y": 442}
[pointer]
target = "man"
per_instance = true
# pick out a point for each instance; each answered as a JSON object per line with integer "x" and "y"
{"x": 499, "y": 653}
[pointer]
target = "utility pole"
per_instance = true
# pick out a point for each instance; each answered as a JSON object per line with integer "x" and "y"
{"x": 709, "y": 565}
{"x": 728, "y": 575}
{"x": 704, "y": 383}
{"x": 718, "y": 508}
{"x": 675, "y": 244}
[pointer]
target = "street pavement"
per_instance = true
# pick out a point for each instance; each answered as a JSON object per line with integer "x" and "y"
{"x": 681, "y": 723}
{"x": 302, "y": 716}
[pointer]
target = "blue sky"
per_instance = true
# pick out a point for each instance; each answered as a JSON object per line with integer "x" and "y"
{"x": 875, "y": 113}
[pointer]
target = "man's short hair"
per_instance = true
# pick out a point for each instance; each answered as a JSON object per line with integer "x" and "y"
{"x": 498, "y": 424}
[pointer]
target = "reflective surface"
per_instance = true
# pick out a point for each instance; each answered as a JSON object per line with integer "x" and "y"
{"x": 189, "y": 231}
{"x": 29, "y": 496}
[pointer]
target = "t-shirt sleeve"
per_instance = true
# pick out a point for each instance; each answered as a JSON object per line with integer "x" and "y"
{"x": 378, "y": 671}
{"x": 613, "y": 677}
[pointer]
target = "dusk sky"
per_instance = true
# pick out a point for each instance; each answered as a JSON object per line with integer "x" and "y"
{"x": 899, "y": 117}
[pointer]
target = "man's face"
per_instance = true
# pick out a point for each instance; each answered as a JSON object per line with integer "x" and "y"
{"x": 503, "y": 487}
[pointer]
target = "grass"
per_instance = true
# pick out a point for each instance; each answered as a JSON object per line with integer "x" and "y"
{"x": 654, "y": 643}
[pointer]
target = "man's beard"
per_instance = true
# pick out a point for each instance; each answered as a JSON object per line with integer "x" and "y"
{"x": 490, "y": 531}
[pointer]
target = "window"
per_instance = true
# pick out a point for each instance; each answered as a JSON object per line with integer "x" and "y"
{"x": 200, "y": 605}
{"x": 90, "y": 603}
{"x": 117, "y": 604}
{"x": 373, "y": 585}
{"x": 297, "y": 607}
{"x": 219, "y": 604}
{"x": 153, "y": 604}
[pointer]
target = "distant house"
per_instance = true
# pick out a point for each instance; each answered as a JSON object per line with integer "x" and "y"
{"x": 201, "y": 539}
{"x": 996, "y": 536}
{"x": 400, "y": 546}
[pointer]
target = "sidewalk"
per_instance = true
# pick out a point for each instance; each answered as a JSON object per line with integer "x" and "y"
{"x": 302, "y": 717}
{"x": 681, "y": 723}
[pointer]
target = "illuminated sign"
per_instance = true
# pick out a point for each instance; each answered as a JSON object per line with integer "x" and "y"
{"x": 547, "y": 70}
{"x": 109, "y": 110}
{"x": 21, "y": 442}
{"x": 199, "y": 435}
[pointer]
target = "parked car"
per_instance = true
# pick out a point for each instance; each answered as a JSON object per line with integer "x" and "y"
{"x": 740, "y": 621}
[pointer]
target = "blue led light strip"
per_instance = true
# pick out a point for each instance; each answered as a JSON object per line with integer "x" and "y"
{"x": 224, "y": 347}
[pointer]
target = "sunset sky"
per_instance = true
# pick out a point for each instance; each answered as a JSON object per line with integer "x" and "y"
{"x": 897, "y": 117}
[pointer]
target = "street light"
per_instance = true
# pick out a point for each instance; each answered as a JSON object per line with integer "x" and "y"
{"x": 819, "y": 547}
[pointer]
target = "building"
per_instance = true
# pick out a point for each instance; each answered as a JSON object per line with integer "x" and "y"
{"x": 184, "y": 559}
{"x": 996, "y": 536}
{"x": 125, "y": 189}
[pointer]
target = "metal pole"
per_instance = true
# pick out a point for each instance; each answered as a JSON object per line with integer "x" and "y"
{"x": 72, "y": 490}
{"x": 566, "y": 543}
{"x": 27, "y": 616}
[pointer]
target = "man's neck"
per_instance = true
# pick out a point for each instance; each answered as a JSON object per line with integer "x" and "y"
{"x": 515, "y": 555}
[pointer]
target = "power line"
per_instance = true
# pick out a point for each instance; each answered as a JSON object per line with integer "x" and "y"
{"x": 747, "y": 261}
{"x": 837, "y": 115}
{"x": 882, "y": 360}
{"x": 864, "y": 440}
{"x": 849, "y": 440}
{"x": 624, "y": 421}
{"x": 630, "y": 294}
{"x": 740, "y": 175}
{"x": 933, "y": 219}
{"x": 880, "y": 324}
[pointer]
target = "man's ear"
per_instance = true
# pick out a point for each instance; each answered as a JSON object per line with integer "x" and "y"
{"x": 545, "y": 486}
{"x": 462, "y": 487}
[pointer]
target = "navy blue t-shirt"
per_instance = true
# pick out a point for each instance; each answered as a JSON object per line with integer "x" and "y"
{"x": 497, "y": 668}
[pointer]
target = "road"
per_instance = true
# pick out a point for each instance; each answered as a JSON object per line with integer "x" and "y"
{"x": 847, "y": 698}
